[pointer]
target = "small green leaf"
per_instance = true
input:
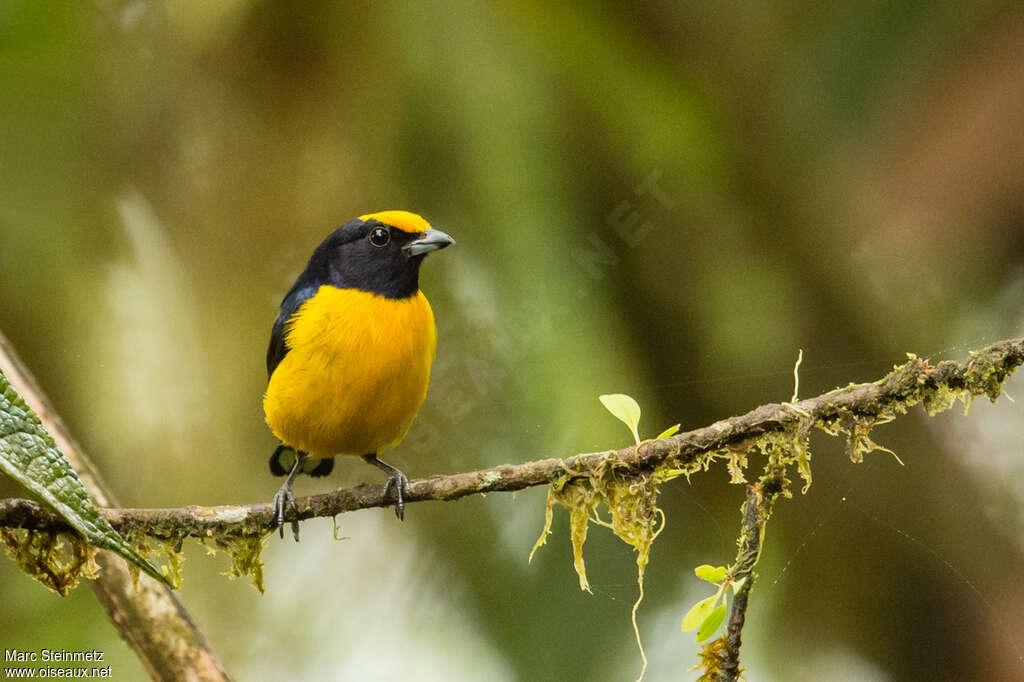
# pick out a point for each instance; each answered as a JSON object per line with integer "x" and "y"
{"x": 29, "y": 456}
{"x": 625, "y": 410}
{"x": 670, "y": 431}
{"x": 698, "y": 613}
{"x": 713, "y": 574}
{"x": 737, "y": 584}
{"x": 711, "y": 623}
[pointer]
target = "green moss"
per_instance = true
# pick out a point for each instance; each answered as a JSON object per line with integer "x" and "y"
{"x": 783, "y": 450}
{"x": 169, "y": 548}
{"x": 57, "y": 560}
{"x": 943, "y": 398}
{"x": 986, "y": 372}
{"x": 712, "y": 654}
{"x": 630, "y": 500}
{"x": 736, "y": 462}
{"x": 245, "y": 551}
{"x": 628, "y": 497}
{"x": 915, "y": 381}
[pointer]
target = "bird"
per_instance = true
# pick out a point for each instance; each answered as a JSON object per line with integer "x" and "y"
{"x": 350, "y": 352}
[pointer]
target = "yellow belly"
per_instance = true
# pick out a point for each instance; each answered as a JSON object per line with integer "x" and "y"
{"x": 355, "y": 375}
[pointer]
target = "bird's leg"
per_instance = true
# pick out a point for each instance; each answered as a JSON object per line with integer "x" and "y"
{"x": 395, "y": 478}
{"x": 286, "y": 497}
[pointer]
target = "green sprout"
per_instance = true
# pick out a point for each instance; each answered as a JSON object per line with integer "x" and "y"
{"x": 707, "y": 615}
{"x": 627, "y": 410}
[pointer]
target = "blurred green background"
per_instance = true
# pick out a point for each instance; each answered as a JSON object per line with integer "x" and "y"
{"x": 656, "y": 198}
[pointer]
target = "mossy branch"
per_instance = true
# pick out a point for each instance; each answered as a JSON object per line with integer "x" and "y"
{"x": 851, "y": 411}
{"x": 721, "y": 657}
{"x": 626, "y": 481}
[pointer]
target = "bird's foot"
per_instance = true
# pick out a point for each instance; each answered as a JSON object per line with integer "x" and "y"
{"x": 282, "y": 500}
{"x": 400, "y": 482}
{"x": 396, "y": 480}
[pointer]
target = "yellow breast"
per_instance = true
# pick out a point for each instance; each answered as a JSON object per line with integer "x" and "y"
{"x": 355, "y": 375}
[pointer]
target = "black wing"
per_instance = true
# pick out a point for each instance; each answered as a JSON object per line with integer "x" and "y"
{"x": 300, "y": 293}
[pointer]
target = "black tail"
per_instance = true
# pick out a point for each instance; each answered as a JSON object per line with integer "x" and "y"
{"x": 323, "y": 467}
{"x": 283, "y": 459}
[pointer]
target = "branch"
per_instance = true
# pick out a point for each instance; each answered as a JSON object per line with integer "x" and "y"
{"x": 756, "y": 510}
{"x": 851, "y": 410}
{"x": 147, "y": 615}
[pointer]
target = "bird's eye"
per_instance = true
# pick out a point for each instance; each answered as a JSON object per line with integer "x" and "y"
{"x": 380, "y": 237}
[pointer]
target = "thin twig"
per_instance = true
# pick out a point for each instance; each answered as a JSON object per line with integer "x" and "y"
{"x": 981, "y": 375}
{"x": 755, "y": 513}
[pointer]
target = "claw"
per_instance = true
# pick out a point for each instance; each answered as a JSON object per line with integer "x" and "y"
{"x": 396, "y": 480}
{"x": 400, "y": 482}
{"x": 282, "y": 500}
{"x": 285, "y": 498}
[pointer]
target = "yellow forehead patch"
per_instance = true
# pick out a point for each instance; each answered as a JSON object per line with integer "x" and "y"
{"x": 403, "y": 220}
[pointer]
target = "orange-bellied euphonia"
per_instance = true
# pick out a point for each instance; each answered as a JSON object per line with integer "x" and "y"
{"x": 350, "y": 352}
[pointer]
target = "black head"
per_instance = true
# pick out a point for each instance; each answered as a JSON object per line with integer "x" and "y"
{"x": 380, "y": 253}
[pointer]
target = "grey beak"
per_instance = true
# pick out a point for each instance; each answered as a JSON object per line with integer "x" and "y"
{"x": 432, "y": 240}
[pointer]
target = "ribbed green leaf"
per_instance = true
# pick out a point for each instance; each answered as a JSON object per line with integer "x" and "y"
{"x": 29, "y": 455}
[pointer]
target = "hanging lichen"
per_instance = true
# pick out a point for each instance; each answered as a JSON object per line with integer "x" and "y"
{"x": 245, "y": 552}
{"x": 630, "y": 500}
{"x": 169, "y": 548}
{"x": 57, "y": 560}
{"x": 630, "y": 495}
